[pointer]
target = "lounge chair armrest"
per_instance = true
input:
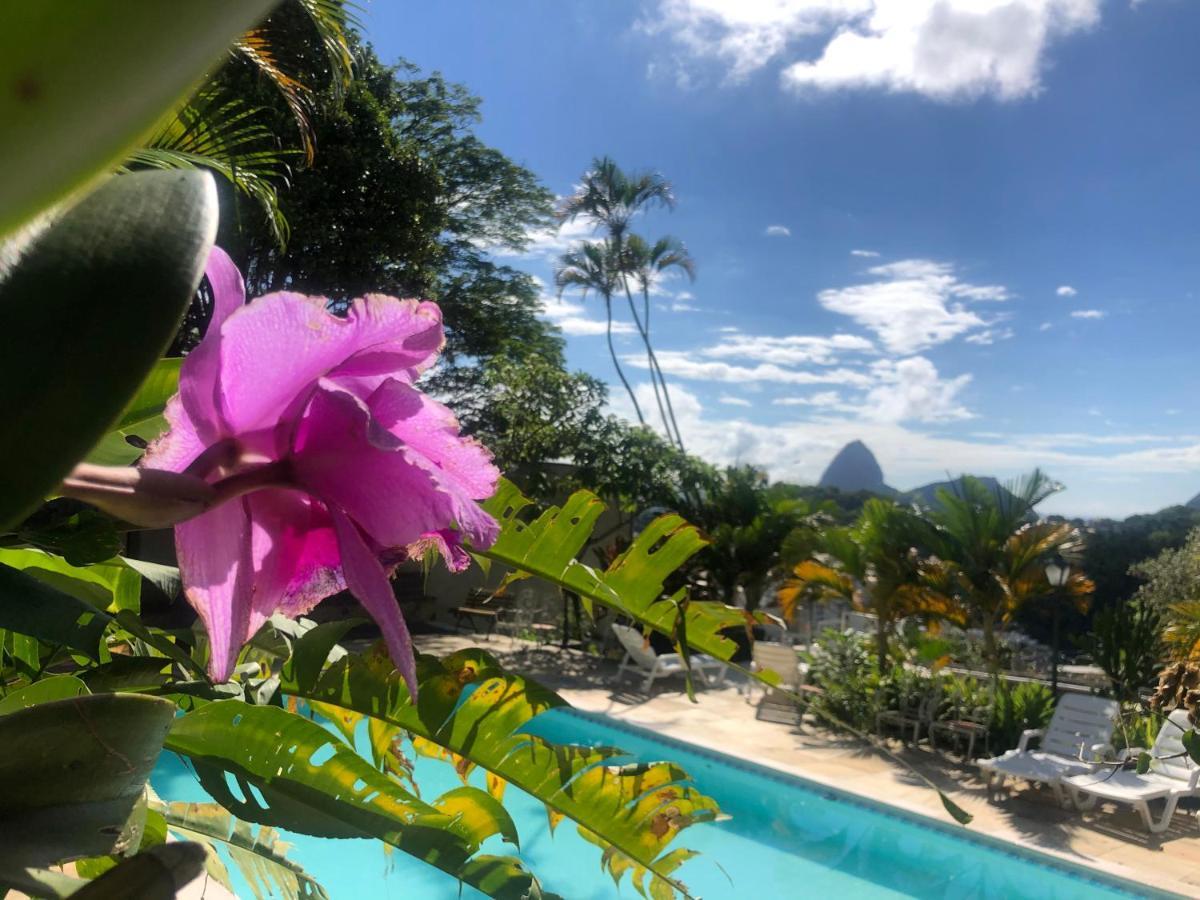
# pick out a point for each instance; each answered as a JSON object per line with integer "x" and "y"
{"x": 1101, "y": 752}
{"x": 1026, "y": 736}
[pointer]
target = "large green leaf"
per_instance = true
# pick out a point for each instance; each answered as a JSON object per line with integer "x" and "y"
{"x": 548, "y": 546}
{"x": 111, "y": 586}
{"x": 475, "y": 709}
{"x": 142, "y": 420}
{"x": 31, "y": 607}
{"x": 84, "y": 80}
{"x": 72, "y": 773}
{"x": 311, "y": 782}
{"x": 89, "y": 307}
{"x": 56, "y": 687}
{"x": 261, "y": 855}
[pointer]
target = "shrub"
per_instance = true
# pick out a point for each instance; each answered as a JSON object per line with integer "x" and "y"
{"x": 1027, "y": 705}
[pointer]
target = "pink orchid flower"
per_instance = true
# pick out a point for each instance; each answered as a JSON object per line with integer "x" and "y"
{"x": 342, "y": 468}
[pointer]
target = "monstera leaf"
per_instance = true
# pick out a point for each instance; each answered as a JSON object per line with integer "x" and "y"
{"x": 470, "y": 706}
{"x": 548, "y": 547}
{"x": 89, "y": 305}
{"x": 292, "y": 773}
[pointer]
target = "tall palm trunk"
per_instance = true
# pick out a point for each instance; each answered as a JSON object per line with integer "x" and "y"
{"x": 649, "y": 362}
{"x": 658, "y": 369}
{"x": 612, "y": 351}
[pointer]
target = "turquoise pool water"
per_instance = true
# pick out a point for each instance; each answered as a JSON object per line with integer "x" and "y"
{"x": 786, "y": 837}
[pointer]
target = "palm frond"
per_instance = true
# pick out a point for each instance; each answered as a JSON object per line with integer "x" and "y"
{"x": 223, "y": 134}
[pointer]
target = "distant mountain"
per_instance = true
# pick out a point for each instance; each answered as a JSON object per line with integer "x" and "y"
{"x": 855, "y": 469}
{"x": 926, "y": 495}
{"x": 1194, "y": 503}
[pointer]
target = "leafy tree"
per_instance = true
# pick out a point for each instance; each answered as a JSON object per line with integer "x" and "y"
{"x": 402, "y": 198}
{"x": 1172, "y": 589}
{"x": 874, "y": 564}
{"x": 1126, "y": 642}
{"x": 990, "y": 553}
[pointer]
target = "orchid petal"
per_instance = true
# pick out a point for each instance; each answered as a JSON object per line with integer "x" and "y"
{"x": 341, "y": 455}
{"x": 277, "y": 348}
{"x": 214, "y": 557}
{"x": 430, "y": 429}
{"x": 369, "y": 584}
{"x": 297, "y": 563}
{"x": 199, "y": 377}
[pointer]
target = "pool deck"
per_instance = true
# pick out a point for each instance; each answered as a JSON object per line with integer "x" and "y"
{"x": 1112, "y": 840}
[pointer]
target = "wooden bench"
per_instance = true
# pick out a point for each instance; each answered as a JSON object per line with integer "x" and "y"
{"x": 467, "y": 615}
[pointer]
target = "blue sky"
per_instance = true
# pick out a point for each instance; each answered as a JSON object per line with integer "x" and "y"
{"x": 966, "y": 231}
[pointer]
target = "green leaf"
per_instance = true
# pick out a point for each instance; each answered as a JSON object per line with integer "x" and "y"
{"x": 110, "y": 586}
{"x": 97, "y": 297}
{"x": 79, "y": 533}
{"x": 1143, "y": 762}
{"x": 960, "y": 815}
{"x": 158, "y": 640}
{"x": 30, "y": 607}
{"x": 142, "y": 420}
{"x": 56, "y": 687}
{"x": 633, "y": 585}
{"x": 128, "y": 673}
{"x": 72, "y": 773}
{"x": 63, "y": 63}
{"x": 1191, "y": 743}
{"x": 342, "y": 795}
{"x": 165, "y": 578}
{"x": 154, "y": 874}
{"x": 472, "y": 707}
{"x": 261, "y": 856}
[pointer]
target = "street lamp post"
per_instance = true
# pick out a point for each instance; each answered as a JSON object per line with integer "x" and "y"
{"x": 1058, "y": 571}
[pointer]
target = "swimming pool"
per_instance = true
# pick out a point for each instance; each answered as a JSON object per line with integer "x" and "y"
{"x": 786, "y": 837}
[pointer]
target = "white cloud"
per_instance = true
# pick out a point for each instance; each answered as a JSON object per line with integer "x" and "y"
{"x": 548, "y": 243}
{"x": 915, "y": 304}
{"x": 679, "y": 306}
{"x": 778, "y": 231}
{"x": 822, "y": 398}
{"x": 730, "y": 400}
{"x": 1065, "y": 290}
{"x": 911, "y": 389}
{"x": 1088, "y": 314}
{"x": 990, "y": 336}
{"x": 685, "y": 365}
{"x": 574, "y": 320}
{"x": 944, "y": 49}
{"x": 869, "y": 254}
{"x": 1045, "y": 326}
{"x": 790, "y": 350}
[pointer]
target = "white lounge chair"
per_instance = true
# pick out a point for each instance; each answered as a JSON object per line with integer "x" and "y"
{"x": 640, "y": 657}
{"x": 1079, "y": 736}
{"x": 1172, "y": 777}
{"x": 783, "y": 661}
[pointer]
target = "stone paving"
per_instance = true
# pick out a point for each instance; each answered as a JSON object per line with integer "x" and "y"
{"x": 723, "y": 720}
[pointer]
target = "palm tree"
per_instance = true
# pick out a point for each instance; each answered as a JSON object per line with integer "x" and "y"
{"x": 990, "y": 552}
{"x": 592, "y": 266}
{"x": 643, "y": 262}
{"x": 214, "y": 130}
{"x": 875, "y": 565}
{"x": 610, "y": 197}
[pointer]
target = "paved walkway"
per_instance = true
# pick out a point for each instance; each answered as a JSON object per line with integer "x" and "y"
{"x": 723, "y": 721}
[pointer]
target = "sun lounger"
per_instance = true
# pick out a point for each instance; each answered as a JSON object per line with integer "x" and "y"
{"x": 1079, "y": 736}
{"x": 1172, "y": 776}
{"x": 780, "y": 700}
{"x": 640, "y": 657}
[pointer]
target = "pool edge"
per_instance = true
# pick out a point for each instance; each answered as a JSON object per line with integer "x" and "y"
{"x": 1097, "y": 870}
